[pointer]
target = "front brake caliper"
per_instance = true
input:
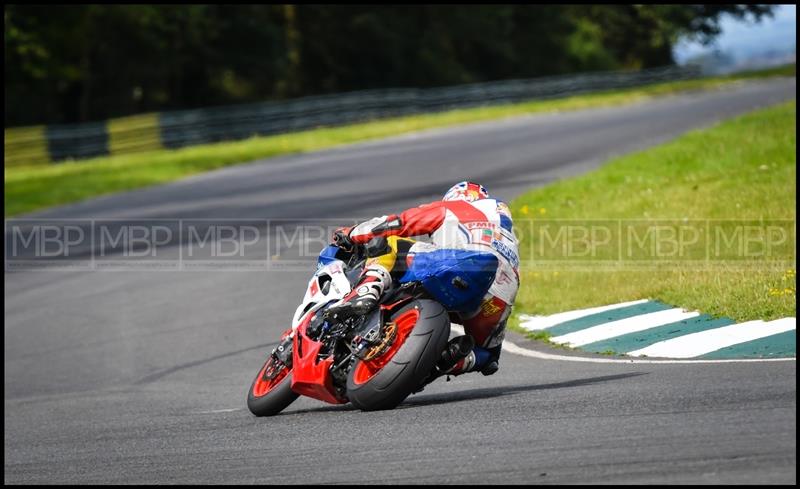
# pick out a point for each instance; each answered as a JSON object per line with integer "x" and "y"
{"x": 380, "y": 343}
{"x": 283, "y": 352}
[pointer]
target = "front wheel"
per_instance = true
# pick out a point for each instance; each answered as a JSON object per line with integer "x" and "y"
{"x": 423, "y": 328}
{"x": 271, "y": 391}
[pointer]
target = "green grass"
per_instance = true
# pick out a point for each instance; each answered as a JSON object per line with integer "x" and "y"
{"x": 741, "y": 171}
{"x": 30, "y": 188}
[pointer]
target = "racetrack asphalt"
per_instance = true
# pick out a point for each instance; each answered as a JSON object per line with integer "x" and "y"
{"x": 141, "y": 376}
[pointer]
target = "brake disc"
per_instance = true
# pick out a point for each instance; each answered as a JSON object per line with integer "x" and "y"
{"x": 274, "y": 368}
{"x": 389, "y": 334}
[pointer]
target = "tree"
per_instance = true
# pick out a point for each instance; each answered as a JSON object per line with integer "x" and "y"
{"x": 81, "y": 63}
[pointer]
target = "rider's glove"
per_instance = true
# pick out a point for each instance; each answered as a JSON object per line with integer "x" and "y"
{"x": 341, "y": 238}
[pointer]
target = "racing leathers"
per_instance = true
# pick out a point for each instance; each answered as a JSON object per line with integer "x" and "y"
{"x": 485, "y": 226}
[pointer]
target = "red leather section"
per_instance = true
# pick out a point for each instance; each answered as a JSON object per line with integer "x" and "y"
{"x": 484, "y": 323}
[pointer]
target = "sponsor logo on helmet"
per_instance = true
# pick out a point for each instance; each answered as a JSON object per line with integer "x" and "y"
{"x": 467, "y": 191}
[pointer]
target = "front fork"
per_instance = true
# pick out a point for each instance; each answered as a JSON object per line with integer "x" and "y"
{"x": 282, "y": 356}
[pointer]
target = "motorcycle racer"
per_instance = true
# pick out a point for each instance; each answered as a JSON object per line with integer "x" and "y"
{"x": 467, "y": 219}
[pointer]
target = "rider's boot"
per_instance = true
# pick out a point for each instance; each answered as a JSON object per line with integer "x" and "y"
{"x": 469, "y": 358}
{"x": 364, "y": 297}
{"x": 453, "y": 356}
{"x": 456, "y": 353}
{"x": 462, "y": 356}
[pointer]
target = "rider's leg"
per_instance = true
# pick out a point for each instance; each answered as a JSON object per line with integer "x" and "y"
{"x": 386, "y": 264}
{"x": 487, "y": 325}
{"x": 487, "y": 330}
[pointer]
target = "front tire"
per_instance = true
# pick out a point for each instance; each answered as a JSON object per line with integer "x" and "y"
{"x": 269, "y": 397}
{"x": 384, "y": 382}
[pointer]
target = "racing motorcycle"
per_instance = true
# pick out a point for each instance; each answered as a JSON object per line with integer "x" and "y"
{"x": 377, "y": 360}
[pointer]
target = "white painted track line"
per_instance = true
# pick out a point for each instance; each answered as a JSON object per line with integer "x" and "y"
{"x": 624, "y": 326}
{"x": 544, "y": 322}
{"x": 696, "y": 344}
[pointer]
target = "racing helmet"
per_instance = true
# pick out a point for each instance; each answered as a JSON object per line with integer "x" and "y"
{"x": 469, "y": 191}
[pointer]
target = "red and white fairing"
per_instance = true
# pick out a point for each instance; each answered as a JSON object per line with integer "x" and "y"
{"x": 317, "y": 294}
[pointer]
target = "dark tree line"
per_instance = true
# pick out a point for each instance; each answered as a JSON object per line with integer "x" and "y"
{"x": 91, "y": 62}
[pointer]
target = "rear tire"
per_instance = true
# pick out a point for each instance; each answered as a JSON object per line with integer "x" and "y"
{"x": 409, "y": 366}
{"x": 274, "y": 400}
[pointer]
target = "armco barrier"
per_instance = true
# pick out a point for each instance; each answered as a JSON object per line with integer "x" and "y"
{"x": 40, "y": 144}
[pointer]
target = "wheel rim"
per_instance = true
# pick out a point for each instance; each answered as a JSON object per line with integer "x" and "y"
{"x": 365, "y": 370}
{"x": 263, "y": 384}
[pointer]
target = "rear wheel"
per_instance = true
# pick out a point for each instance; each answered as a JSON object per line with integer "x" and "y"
{"x": 422, "y": 330}
{"x": 271, "y": 391}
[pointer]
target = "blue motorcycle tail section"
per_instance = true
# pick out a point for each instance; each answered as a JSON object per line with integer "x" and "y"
{"x": 437, "y": 270}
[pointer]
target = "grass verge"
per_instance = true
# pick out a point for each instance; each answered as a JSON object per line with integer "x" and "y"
{"x": 30, "y": 188}
{"x": 727, "y": 186}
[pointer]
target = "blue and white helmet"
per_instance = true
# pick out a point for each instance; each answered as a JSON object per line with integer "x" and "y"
{"x": 469, "y": 191}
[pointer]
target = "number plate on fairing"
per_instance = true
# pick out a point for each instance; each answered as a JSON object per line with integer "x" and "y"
{"x": 328, "y": 284}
